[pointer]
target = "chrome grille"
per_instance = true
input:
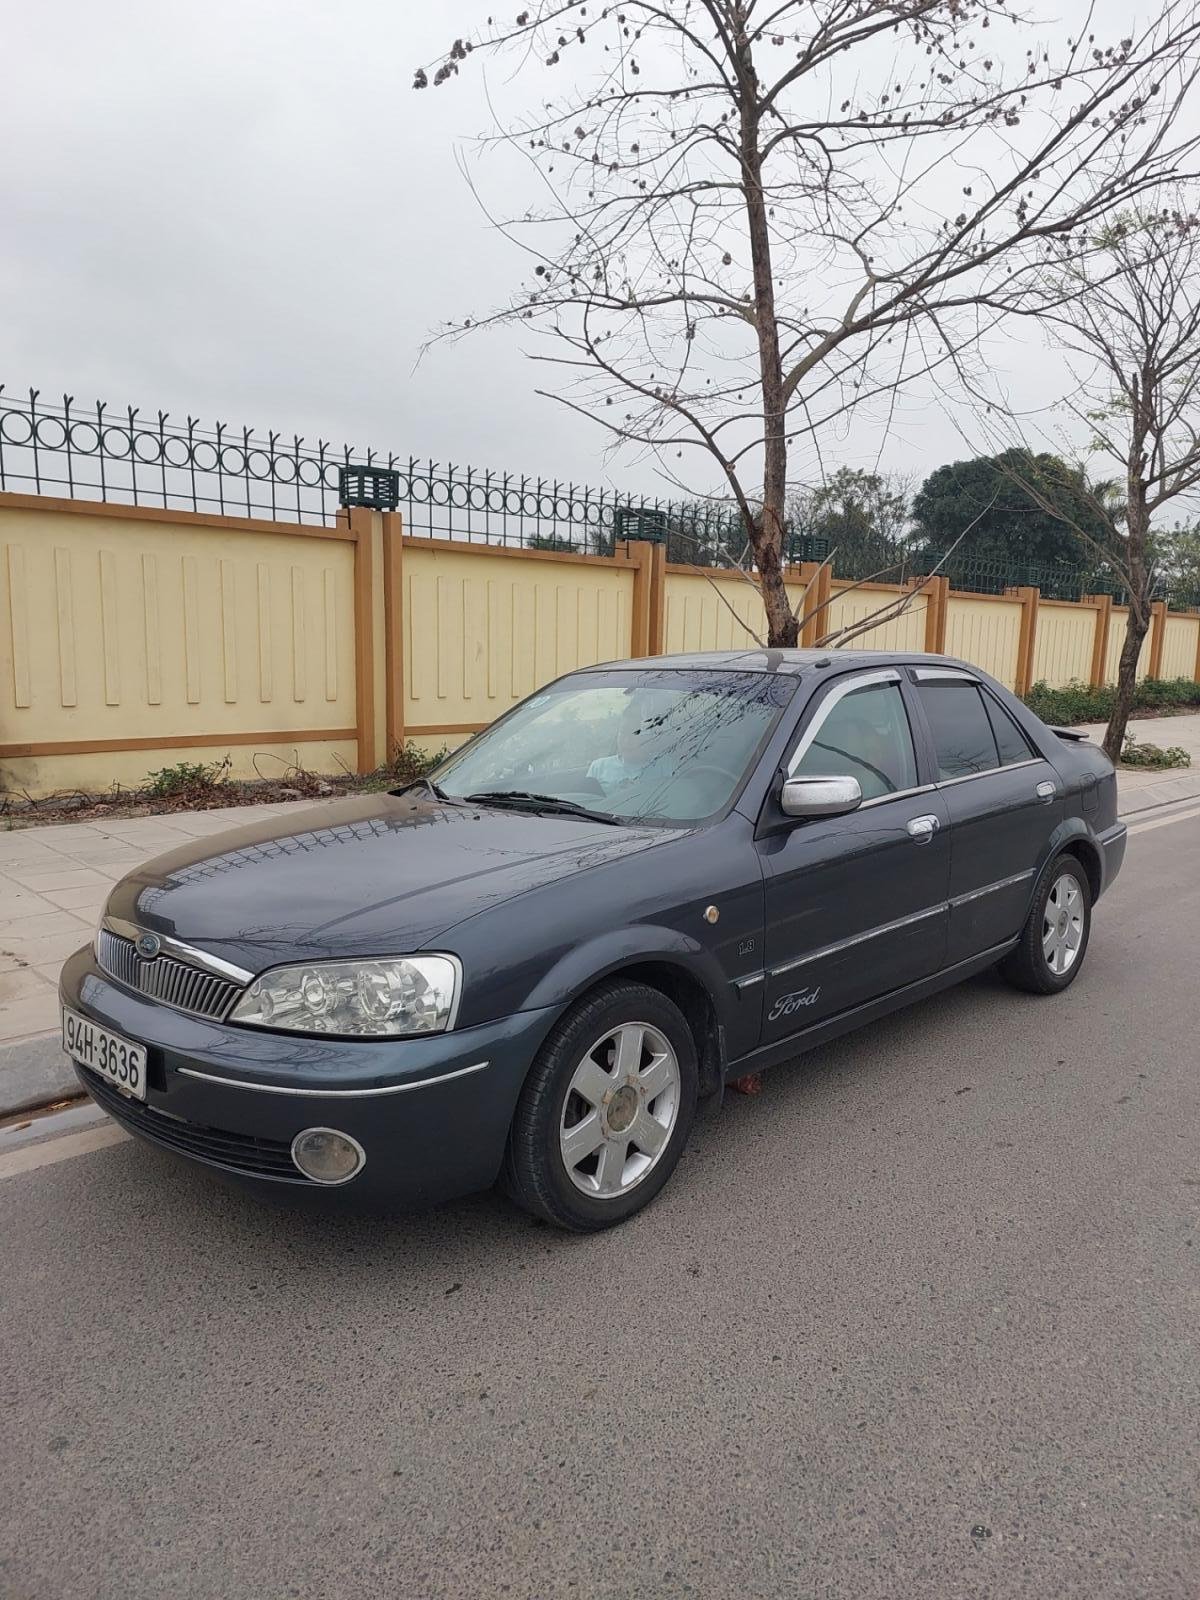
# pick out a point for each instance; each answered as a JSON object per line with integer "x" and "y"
{"x": 175, "y": 983}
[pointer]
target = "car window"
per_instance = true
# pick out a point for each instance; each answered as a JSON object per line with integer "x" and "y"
{"x": 864, "y": 735}
{"x": 1010, "y": 741}
{"x": 962, "y": 733}
{"x": 666, "y": 744}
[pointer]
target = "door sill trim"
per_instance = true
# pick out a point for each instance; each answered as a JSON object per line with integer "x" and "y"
{"x": 868, "y": 1011}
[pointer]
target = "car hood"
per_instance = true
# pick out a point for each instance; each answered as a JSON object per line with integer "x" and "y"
{"x": 365, "y": 876}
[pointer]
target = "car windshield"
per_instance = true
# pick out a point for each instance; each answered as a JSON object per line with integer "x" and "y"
{"x": 673, "y": 746}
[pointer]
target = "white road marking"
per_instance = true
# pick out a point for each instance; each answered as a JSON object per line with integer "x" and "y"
{"x": 1163, "y": 822}
{"x": 33, "y": 1156}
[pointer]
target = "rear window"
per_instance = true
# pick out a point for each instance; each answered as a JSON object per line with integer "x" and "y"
{"x": 1010, "y": 741}
{"x": 962, "y": 731}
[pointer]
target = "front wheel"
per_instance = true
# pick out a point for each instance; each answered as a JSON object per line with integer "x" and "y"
{"x": 1054, "y": 940}
{"x": 606, "y": 1110}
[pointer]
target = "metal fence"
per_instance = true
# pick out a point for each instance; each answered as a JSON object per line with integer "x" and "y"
{"x": 94, "y": 452}
{"x": 133, "y": 458}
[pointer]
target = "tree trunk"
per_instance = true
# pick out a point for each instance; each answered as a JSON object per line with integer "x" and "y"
{"x": 766, "y": 536}
{"x": 1137, "y": 522}
{"x": 783, "y": 626}
{"x": 1136, "y": 630}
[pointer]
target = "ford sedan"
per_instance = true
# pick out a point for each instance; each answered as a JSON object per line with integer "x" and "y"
{"x": 648, "y": 879}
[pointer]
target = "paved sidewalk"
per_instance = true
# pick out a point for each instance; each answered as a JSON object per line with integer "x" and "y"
{"x": 1143, "y": 788}
{"x": 54, "y": 881}
{"x": 53, "y": 885}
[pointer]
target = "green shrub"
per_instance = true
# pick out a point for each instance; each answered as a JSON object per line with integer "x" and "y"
{"x": 406, "y": 764}
{"x": 1152, "y": 755}
{"x": 409, "y": 763}
{"x": 187, "y": 780}
{"x": 1079, "y": 702}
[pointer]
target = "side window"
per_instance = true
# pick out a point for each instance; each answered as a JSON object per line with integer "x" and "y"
{"x": 1010, "y": 741}
{"x": 864, "y": 735}
{"x": 962, "y": 734}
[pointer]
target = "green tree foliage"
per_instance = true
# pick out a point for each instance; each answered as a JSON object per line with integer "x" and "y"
{"x": 863, "y": 515}
{"x": 1177, "y": 558}
{"x": 989, "y": 496}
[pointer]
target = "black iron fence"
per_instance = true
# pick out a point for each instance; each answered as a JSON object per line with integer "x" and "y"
{"x": 94, "y": 452}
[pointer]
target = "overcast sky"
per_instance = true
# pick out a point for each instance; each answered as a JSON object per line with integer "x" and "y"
{"x": 242, "y": 210}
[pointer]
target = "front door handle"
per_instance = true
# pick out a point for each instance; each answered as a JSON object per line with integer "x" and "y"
{"x": 1045, "y": 790}
{"x": 922, "y": 829}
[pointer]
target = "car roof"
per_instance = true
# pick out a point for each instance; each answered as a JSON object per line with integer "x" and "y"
{"x": 792, "y": 663}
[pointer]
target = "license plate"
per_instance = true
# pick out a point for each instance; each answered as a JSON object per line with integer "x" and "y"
{"x": 119, "y": 1060}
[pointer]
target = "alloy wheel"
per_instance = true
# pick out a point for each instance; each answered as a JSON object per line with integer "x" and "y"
{"x": 620, "y": 1110}
{"x": 1062, "y": 925}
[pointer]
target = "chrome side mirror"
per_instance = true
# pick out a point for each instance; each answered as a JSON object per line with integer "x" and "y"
{"x": 820, "y": 797}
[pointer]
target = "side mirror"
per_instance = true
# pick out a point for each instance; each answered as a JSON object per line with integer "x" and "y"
{"x": 819, "y": 797}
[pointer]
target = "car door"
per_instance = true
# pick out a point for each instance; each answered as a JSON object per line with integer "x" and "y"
{"x": 855, "y": 904}
{"x": 1004, "y": 801}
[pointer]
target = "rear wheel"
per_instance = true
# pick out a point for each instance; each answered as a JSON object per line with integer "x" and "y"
{"x": 606, "y": 1110}
{"x": 1054, "y": 940}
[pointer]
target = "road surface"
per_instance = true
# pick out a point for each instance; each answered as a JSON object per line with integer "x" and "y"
{"x": 921, "y": 1321}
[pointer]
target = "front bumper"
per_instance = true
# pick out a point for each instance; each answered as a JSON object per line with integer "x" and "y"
{"x": 432, "y": 1120}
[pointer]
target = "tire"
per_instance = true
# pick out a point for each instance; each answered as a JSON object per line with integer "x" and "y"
{"x": 578, "y": 1084}
{"x": 1044, "y": 961}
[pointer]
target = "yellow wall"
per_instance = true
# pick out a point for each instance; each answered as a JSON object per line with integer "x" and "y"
{"x": 178, "y": 638}
{"x": 124, "y": 628}
{"x": 1179, "y": 647}
{"x": 717, "y": 613}
{"x": 1116, "y": 641}
{"x": 721, "y": 612}
{"x": 1062, "y": 647}
{"x": 986, "y": 631}
{"x": 906, "y": 632}
{"x": 483, "y": 630}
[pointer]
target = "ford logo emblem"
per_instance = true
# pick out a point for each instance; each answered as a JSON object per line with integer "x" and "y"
{"x": 148, "y": 945}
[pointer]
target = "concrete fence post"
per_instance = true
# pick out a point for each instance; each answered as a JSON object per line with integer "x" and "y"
{"x": 646, "y": 621}
{"x": 1158, "y": 636}
{"x": 658, "y": 599}
{"x": 937, "y": 603}
{"x": 370, "y": 634}
{"x": 1027, "y": 639}
{"x": 817, "y": 578}
{"x": 1103, "y": 607}
{"x": 393, "y": 622}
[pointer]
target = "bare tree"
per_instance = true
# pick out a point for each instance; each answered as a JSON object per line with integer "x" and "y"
{"x": 1130, "y": 320}
{"x": 763, "y": 216}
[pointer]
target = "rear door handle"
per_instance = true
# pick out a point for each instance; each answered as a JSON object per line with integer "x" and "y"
{"x": 1045, "y": 790}
{"x": 922, "y": 829}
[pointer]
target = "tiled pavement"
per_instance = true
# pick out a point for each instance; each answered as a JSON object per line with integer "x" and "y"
{"x": 53, "y": 884}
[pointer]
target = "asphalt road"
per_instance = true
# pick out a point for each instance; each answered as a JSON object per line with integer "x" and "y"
{"x": 920, "y": 1321}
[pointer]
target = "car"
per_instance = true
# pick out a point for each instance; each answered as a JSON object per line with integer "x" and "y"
{"x": 645, "y": 881}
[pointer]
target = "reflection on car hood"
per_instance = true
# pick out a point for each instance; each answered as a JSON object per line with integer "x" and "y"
{"x": 366, "y": 876}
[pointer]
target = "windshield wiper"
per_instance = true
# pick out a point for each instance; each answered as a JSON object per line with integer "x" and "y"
{"x": 522, "y": 800}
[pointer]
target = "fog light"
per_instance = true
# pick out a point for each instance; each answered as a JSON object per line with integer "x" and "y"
{"x": 327, "y": 1156}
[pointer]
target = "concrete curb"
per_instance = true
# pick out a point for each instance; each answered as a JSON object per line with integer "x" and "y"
{"x": 34, "y": 1072}
{"x": 1168, "y": 791}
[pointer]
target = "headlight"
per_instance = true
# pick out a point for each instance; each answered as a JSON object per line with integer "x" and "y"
{"x": 397, "y": 996}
